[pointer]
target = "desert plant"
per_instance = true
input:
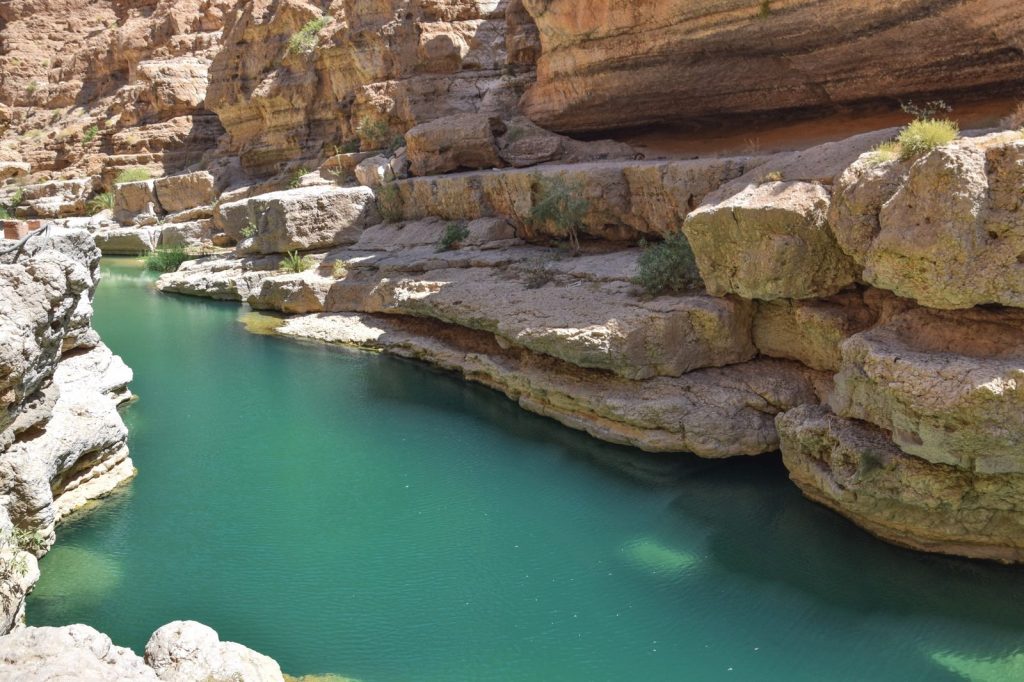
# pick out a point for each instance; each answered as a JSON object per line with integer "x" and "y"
{"x": 561, "y": 204}
{"x": 886, "y": 151}
{"x": 766, "y": 8}
{"x": 772, "y": 176}
{"x": 297, "y": 175}
{"x": 293, "y": 262}
{"x": 668, "y": 266}
{"x": 250, "y": 230}
{"x": 926, "y": 111}
{"x": 32, "y": 87}
{"x": 339, "y": 270}
{"x": 397, "y": 142}
{"x": 1015, "y": 119}
{"x": 923, "y": 135}
{"x": 133, "y": 175}
{"x": 166, "y": 260}
{"x": 389, "y": 203}
{"x": 90, "y": 134}
{"x": 347, "y": 147}
{"x": 454, "y": 235}
{"x": 306, "y": 39}
{"x": 101, "y": 202}
{"x": 374, "y": 131}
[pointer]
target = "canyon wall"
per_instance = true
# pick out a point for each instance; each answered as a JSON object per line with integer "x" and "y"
{"x": 608, "y": 64}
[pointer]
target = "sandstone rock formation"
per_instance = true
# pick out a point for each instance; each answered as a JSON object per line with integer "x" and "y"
{"x": 612, "y": 64}
{"x": 946, "y": 229}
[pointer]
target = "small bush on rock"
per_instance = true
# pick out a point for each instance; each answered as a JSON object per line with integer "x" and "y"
{"x": 454, "y": 235}
{"x": 1015, "y": 119}
{"x": 297, "y": 175}
{"x": 389, "y": 203}
{"x": 339, "y": 270}
{"x": 132, "y": 175}
{"x": 306, "y": 39}
{"x": 668, "y": 266}
{"x": 562, "y": 205}
{"x": 375, "y": 132}
{"x": 293, "y": 262}
{"x": 250, "y": 230}
{"x": 924, "y": 135}
{"x": 90, "y": 134}
{"x": 101, "y": 202}
{"x": 166, "y": 260}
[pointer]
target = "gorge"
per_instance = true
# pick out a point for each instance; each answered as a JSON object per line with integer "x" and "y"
{"x": 755, "y": 268}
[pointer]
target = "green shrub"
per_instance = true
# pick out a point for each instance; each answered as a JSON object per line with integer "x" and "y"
{"x": 132, "y": 175}
{"x": 293, "y": 262}
{"x": 926, "y": 111}
{"x": 101, "y": 202}
{"x": 560, "y": 204}
{"x": 454, "y": 235}
{"x": 668, "y": 266}
{"x": 886, "y": 151}
{"x": 297, "y": 176}
{"x": 923, "y": 135}
{"x": 339, "y": 269}
{"x": 347, "y": 147}
{"x": 772, "y": 176}
{"x": 389, "y": 203}
{"x": 375, "y": 132}
{"x": 90, "y": 134}
{"x": 7, "y": 210}
{"x": 250, "y": 230}
{"x": 305, "y": 40}
{"x": 166, "y": 260}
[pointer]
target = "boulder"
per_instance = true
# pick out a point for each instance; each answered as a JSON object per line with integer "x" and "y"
{"x": 949, "y": 386}
{"x": 228, "y": 279}
{"x": 374, "y": 171}
{"x": 127, "y": 241}
{"x": 180, "y": 192}
{"x": 55, "y": 199}
{"x": 293, "y": 294}
{"x": 132, "y": 199}
{"x": 301, "y": 219}
{"x": 854, "y": 468}
{"x": 946, "y": 230}
{"x": 464, "y": 141}
{"x": 72, "y": 652}
{"x": 195, "y": 233}
{"x": 13, "y": 169}
{"x": 185, "y": 651}
{"x": 769, "y": 241}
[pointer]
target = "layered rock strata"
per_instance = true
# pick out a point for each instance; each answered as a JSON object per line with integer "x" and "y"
{"x": 609, "y": 64}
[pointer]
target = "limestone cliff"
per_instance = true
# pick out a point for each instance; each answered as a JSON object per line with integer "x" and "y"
{"x": 62, "y": 441}
{"x": 609, "y": 64}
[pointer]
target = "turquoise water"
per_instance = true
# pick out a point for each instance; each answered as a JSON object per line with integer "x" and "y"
{"x": 358, "y": 514}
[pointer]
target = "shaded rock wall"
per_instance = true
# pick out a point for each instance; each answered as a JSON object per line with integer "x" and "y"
{"x": 608, "y": 64}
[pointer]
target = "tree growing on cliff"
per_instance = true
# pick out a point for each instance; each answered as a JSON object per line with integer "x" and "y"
{"x": 560, "y": 205}
{"x": 306, "y": 39}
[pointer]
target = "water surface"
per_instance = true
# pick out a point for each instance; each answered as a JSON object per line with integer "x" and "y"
{"x": 358, "y": 514}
